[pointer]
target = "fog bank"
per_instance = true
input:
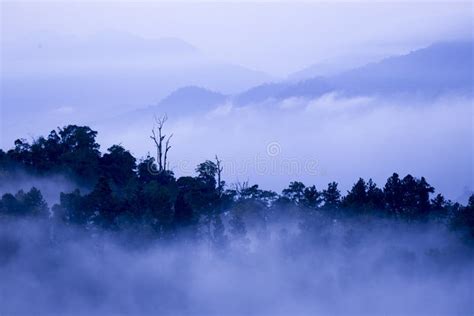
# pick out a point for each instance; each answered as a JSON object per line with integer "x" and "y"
{"x": 346, "y": 268}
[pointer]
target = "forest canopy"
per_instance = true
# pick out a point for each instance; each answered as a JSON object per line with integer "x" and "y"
{"x": 122, "y": 192}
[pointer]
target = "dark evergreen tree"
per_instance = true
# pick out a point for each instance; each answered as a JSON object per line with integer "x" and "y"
{"x": 312, "y": 197}
{"x": 393, "y": 194}
{"x": 183, "y": 212}
{"x": 439, "y": 207}
{"x": 423, "y": 192}
{"x": 295, "y": 192}
{"x": 147, "y": 169}
{"x": 10, "y": 205}
{"x": 34, "y": 203}
{"x": 72, "y": 208}
{"x": 357, "y": 197}
{"x": 103, "y": 204}
{"x": 375, "y": 196}
{"x": 158, "y": 205}
{"x": 118, "y": 165}
{"x": 30, "y": 203}
{"x": 463, "y": 220}
{"x": 207, "y": 172}
{"x": 332, "y": 196}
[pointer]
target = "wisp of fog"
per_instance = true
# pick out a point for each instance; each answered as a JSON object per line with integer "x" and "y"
{"x": 379, "y": 267}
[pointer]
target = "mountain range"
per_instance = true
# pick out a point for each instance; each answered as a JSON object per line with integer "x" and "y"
{"x": 442, "y": 68}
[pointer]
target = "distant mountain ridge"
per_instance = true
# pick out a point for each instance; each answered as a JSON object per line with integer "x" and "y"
{"x": 185, "y": 101}
{"x": 195, "y": 99}
{"x": 431, "y": 71}
{"x": 436, "y": 69}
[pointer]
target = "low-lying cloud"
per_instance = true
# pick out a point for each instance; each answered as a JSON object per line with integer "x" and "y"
{"x": 344, "y": 268}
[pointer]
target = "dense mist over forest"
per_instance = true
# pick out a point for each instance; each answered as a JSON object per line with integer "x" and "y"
{"x": 136, "y": 240}
{"x": 236, "y": 158}
{"x": 383, "y": 268}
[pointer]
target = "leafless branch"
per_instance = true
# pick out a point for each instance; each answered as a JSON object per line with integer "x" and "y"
{"x": 219, "y": 172}
{"x": 158, "y": 137}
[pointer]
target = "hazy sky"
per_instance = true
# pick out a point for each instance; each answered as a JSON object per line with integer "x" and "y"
{"x": 276, "y": 37}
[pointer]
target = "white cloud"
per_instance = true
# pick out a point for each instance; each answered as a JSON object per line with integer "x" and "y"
{"x": 334, "y": 102}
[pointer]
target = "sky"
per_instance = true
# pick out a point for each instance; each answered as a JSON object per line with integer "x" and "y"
{"x": 275, "y": 37}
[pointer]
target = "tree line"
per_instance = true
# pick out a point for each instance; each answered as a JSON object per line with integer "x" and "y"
{"x": 124, "y": 192}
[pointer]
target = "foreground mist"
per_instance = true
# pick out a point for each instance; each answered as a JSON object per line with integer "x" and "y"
{"x": 340, "y": 267}
{"x": 126, "y": 236}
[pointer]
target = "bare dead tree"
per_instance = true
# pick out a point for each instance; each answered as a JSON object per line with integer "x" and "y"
{"x": 158, "y": 137}
{"x": 239, "y": 187}
{"x": 167, "y": 148}
{"x": 219, "y": 172}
